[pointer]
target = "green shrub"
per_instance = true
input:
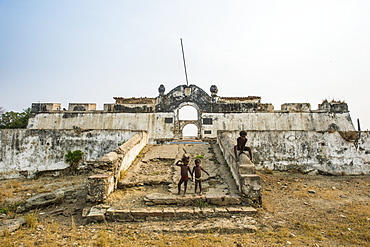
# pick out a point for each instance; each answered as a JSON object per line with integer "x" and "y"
{"x": 73, "y": 159}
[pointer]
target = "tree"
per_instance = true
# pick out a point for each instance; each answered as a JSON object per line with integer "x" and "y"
{"x": 73, "y": 158}
{"x": 14, "y": 120}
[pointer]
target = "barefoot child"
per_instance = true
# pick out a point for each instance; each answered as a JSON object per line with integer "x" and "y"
{"x": 197, "y": 170}
{"x": 240, "y": 146}
{"x": 184, "y": 164}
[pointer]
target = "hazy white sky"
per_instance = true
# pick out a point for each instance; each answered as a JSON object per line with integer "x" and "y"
{"x": 288, "y": 51}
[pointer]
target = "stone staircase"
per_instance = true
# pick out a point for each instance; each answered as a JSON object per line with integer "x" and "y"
{"x": 149, "y": 189}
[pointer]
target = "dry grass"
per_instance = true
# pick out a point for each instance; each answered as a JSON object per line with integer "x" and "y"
{"x": 336, "y": 215}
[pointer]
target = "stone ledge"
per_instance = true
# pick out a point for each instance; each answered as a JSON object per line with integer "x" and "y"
{"x": 167, "y": 213}
{"x": 191, "y": 200}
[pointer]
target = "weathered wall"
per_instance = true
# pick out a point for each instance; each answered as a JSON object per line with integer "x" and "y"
{"x": 243, "y": 171}
{"x": 28, "y": 151}
{"x": 316, "y": 121}
{"x": 157, "y": 128}
{"x": 323, "y": 151}
{"x": 100, "y": 186}
{"x": 153, "y": 123}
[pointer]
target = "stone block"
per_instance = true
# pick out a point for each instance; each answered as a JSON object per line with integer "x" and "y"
{"x": 247, "y": 169}
{"x": 100, "y": 186}
{"x": 119, "y": 215}
{"x": 155, "y": 212}
{"x": 96, "y": 214}
{"x": 222, "y": 200}
{"x": 184, "y": 212}
{"x": 248, "y": 211}
{"x": 168, "y": 212}
{"x": 42, "y": 200}
{"x": 220, "y": 212}
{"x": 11, "y": 225}
{"x": 209, "y": 212}
{"x": 109, "y": 157}
{"x": 139, "y": 212}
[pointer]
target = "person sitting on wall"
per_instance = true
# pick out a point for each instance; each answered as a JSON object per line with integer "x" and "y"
{"x": 240, "y": 146}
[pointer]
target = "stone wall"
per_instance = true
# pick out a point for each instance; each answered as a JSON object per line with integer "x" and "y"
{"x": 153, "y": 123}
{"x": 243, "y": 171}
{"x": 159, "y": 129}
{"x": 26, "y": 151}
{"x": 100, "y": 186}
{"x": 160, "y": 116}
{"x": 327, "y": 152}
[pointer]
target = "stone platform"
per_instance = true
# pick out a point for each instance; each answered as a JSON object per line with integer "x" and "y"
{"x": 102, "y": 213}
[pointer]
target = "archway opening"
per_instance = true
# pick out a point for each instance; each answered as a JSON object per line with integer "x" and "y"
{"x": 190, "y": 131}
{"x": 188, "y": 113}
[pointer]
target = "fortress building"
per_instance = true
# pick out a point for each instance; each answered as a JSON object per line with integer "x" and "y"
{"x": 321, "y": 140}
{"x": 159, "y": 116}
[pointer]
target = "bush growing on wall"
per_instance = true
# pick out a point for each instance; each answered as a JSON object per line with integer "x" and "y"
{"x": 73, "y": 158}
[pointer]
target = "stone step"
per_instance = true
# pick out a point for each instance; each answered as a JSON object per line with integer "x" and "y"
{"x": 191, "y": 200}
{"x": 232, "y": 225}
{"x": 98, "y": 214}
{"x": 173, "y": 213}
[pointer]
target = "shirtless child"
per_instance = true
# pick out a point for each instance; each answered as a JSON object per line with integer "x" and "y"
{"x": 197, "y": 170}
{"x": 240, "y": 146}
{"x": 184, "y": 164}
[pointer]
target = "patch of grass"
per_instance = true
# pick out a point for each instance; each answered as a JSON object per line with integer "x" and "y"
{"x": 122, "y": 142}
{"x": 9, "y": 208}
{"x": 202, "y": 204}
{"x": 199, "y": 156}
{"x": 122, "y": 174}
{"x": 31, "y": 220}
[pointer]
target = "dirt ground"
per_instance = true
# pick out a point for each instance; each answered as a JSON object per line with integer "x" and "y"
{"x": 298, "y": 210}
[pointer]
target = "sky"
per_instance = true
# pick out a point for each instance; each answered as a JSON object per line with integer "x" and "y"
{"x": 287, "y": 51}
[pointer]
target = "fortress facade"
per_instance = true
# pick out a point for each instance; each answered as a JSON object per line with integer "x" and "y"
{"x": 159, "y": 116}
{"x": 322, "y": 140}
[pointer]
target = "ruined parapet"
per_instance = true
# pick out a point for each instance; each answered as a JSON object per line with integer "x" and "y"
{"x": 296, "y": 107}
{"x": 81, "y": 107}
{"x": 45, "y": 107}
{"x": 111, "y": 165}
{"x": 333, "y": 106}
{"x": 243, "y": 171}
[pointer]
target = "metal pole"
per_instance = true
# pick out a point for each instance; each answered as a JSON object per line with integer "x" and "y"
{"x": 183, "y": 58}
{"x": 358, "y": 124}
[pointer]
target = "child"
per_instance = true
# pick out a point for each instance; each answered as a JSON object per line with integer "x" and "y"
{"x": 197, "y": 170}
{"x": 184, "y": 173}
{"x": 240, "y": 145}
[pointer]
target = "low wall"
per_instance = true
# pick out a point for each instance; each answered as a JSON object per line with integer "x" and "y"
{"x": 243, "y": 171}
{"x": 327, "y": 152}
{"x": 23, "y": 152}
{"x": 100, "y": 186}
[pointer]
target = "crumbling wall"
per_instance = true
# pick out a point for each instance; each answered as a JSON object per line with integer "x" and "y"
{"x": 327, "y": 152}
{"x": 24, "y": 151}
{"x": 154, "y": 123}
{"x": 100, "y": 186}
{"x": 243, "y": 171}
